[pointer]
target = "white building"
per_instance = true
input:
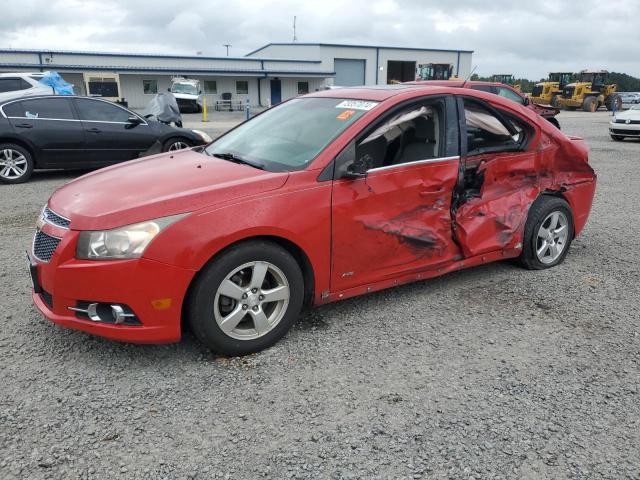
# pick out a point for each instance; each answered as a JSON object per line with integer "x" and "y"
{"x": 275, "y": 72}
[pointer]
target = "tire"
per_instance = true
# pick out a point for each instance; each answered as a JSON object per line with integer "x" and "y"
{"x": 554, "y": 101}
{"x": 16, "y": 163}
{"x": 233, "y": 271}
{"x": 617, "y": 138}
{"x": 541, "y": 215}
{"x": 176, "y": 143}
{"x": 590, "y": 104}
{"x": 613, "y": 99}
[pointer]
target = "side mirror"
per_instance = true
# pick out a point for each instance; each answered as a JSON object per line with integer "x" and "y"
{"x": 526, "y": 100}
{"x": 359, "y": 167}
{"x": 168, "y": 89}
{"x": 134, "y": 120}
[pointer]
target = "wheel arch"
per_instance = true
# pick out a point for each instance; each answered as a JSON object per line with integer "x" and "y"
{"x": 294, "y": 249}
{"x": 558, "y": 194}
{"x": 23, "y": 144}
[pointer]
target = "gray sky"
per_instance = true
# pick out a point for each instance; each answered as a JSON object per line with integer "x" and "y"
{"x": 528, "y": 39}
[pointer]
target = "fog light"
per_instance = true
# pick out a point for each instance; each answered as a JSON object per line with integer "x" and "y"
{"x": 117, "y": 314}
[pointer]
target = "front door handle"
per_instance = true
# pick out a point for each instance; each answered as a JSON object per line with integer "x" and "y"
{"x": 24, "y": 125}
{"x": 432, "y": 193}
{"x": 93, "y": 130}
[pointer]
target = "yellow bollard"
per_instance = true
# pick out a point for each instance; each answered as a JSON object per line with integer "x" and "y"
{"x": 204, "y": 108}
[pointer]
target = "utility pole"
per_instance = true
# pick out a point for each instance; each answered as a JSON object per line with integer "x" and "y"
{"x": 295, "y": 39}
{"x": 227, "y": 45}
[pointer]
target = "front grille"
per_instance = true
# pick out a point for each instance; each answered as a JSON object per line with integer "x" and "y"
{"x": 631, "y": 122}
{"x": 619, "y": 131}
{"x": 537, "y": 91}
{"x": 53, "y": 218}
{"x": 47, "y": 298}
{"x": 184, "y": 102}
{"x": 568, "y": 92}
{"x": 44, "y": 245}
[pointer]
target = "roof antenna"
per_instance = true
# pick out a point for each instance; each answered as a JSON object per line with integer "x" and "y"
{"x": 470, "y": 74}
{"x": 295, "y": 39}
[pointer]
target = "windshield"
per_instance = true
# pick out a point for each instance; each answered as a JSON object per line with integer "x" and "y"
{"x": 184, "y": 88}
{"x": 288, "y": 137}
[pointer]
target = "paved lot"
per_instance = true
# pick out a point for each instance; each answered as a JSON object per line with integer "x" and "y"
{"x": 494, "y": 372}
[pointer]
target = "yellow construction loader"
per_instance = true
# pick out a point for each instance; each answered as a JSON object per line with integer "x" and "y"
{"x": 590, "y": 92}
{"x": 435, "y": 71}
{"x": 505, "y": 78}
{"x": 547, "y": 92}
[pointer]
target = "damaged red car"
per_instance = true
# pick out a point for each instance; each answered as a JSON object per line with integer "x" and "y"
{"x": 324, "y": 197}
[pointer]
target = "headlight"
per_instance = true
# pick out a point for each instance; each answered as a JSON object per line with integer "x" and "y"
{"x": 121, "y": 243}
{"x": 205, "y": 138}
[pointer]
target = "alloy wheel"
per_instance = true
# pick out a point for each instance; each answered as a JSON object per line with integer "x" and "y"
{"x": 13, "y": 164}
{"x": 178, "y": 146}
{"x": 251, "y": 300}
{"x": 552, "y": 237}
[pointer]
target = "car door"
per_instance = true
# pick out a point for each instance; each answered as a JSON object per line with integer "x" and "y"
{"x": 110, "y": 136}
{"x": 396, "y": 218}
{"x": 502, "y": 178}
{"x": 50, "y": 126}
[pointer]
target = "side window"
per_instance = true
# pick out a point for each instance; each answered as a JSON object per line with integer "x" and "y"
{"x": 99, "y": 111}
{"x": 411, "y": 135}
{"x": 13, "y": 84}
{"x": 510, "y": 94}
{"x": 50, "y": 108}
{"x": 483, "y": 88}
{"x": 488, "y": 133}
{"x": 14, "y": 109}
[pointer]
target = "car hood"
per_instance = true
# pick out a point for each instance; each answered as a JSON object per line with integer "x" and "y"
{"x": 628, "y": 115}
{"x": 157, "y": 186}
{"x": 186, "y": 96}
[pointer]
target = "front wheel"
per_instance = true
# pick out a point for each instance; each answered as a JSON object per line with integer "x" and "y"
{"x": 547, "y": 234}
{"x": 16, "y": 163}
{"x": 246, "y": 299}
{"x": 590, "y": 104}
{"x": 176, "y": 144}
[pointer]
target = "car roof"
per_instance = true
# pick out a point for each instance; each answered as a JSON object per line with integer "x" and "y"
{"x": 20, "y": 74}
{"x": 378, "y": 93}
{"x": 458, "y": 83}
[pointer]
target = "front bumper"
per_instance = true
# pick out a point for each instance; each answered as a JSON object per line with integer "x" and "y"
{"x": 153, "y": 290}
{"x": 624, "y": 129}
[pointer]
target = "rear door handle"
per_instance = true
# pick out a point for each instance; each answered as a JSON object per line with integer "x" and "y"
{"x": 93, "y": 130}
{"x": 24, "y": 125}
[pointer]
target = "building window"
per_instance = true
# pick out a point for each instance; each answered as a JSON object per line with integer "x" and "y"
{"x": 242, "y": 87}
{"x": 303, "y": 88}
{"x": 210, "y": 87}
{"x": 150, "y": 87}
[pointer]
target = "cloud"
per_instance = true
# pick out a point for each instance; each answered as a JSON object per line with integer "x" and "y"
{"x": 528, "y": 41}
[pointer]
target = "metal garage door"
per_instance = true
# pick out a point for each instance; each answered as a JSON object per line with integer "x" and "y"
{"x": 349, "y": 72}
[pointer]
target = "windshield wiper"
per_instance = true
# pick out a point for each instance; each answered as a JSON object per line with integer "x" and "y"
{"x": 236, "y": 159}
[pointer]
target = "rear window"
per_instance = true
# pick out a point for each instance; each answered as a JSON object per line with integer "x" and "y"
{"x": 14, "y": 109}
{"x": 50, "y": 108}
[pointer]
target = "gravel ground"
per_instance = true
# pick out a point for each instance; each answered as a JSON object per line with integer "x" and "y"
{"x": 493, "y": 372}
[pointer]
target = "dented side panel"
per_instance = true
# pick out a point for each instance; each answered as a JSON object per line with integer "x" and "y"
{"x": 393, "y": 221}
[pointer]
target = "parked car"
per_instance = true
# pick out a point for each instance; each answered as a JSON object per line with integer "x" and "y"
{"x": 630, "y": 98}
{"x": 625, "y": 124}
{"x": 502, "y": 89}
{"x": 323, "y": 197}
{"x": 188, "y": 94}
{"x": 78, "y": 132}
{"x": 14, "y": 85}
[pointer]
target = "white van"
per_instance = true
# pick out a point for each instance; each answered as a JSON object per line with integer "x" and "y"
{"x": 188, "y": 94}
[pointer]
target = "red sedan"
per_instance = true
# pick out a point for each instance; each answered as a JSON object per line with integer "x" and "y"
{"x": 324, "y": 197}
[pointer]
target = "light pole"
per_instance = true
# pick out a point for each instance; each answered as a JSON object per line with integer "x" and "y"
{"x": 227, "y": 45}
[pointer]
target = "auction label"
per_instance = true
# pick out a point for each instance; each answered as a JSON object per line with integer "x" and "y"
{"x": 357, "y": 104}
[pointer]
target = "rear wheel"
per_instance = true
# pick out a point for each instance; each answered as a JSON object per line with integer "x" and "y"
{"x": 246, "y": 299}
{"x": 590, "y": 104}
{"x": 547, "y": 234}
{"x": 16, "y": 163}
{"x": 176, "y": 144}
{"x": 617, "y": 138}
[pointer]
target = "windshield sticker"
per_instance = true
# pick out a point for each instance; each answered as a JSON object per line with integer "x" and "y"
{"x": 345, "y": 115}
{"x": 357, "y": 104}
